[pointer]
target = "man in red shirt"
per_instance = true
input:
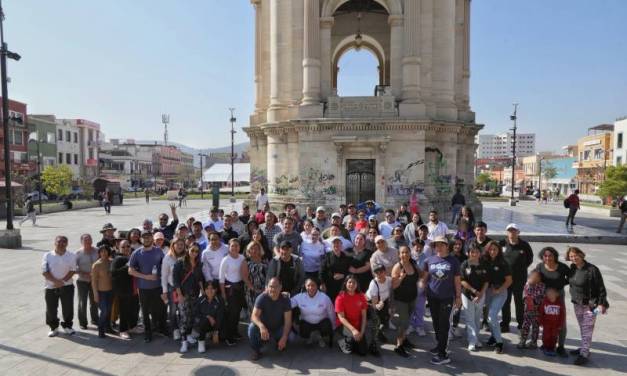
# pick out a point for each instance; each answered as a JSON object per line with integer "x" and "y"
{"x": 573, "y": 206}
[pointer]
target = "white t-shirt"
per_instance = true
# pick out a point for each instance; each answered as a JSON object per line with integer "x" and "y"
{"x": 211, "y": 261}
{"x": 314, "y": 309}
{"x": 436, "y": 230}
{"x": 261, "y": 201}
{"x": 379, "y": 290}
{"x": 231, "y": 269}
{"x": 59, "y": 266}
{"x": 312, "y": 254}
{"x": 218, "y": 224}
{"x": 385, "y": 228}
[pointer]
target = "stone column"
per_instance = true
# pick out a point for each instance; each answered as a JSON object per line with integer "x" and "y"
{"x": 311, "y": 53}
{"x": 276, "y": 160}
{"x": 444, "y": 59}
{"x": 411, "y": 107}
{"x": 292, "y": 157}
{"x": 258, "y": 93}
{"x": 326, "y": 74}
{"x": 276, "y": 68}
{"x": 396, "y": 53}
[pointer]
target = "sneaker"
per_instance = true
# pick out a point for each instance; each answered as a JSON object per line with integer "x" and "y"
{"x": 400, "y": 350}
{"x": 137, "y": 330}
{"x": 434, "y": 351}
{"x": 491, "y": 342}
{"x": 575, "y": 352}
{"x": 201, "y": 347}
{"x": 256, "y": 355}
{"x": 230, "y": 342}
{"x": 183, "y": 348}
{"x": 53, "y": 333}
{"x": 421, "y": 332}
{"x": 83, "y": 327}
{"x": 439, "y": 360}
{"x": 581, "y": 360}
{"x": 191, "y": 340}
{"x": 176, "y": 334}
{"x": 68, "y": 331}
{"x": 125, "y": 335}
{"x": 561, "y": 351}
{"x": 102, "y": 335}
{"x": 472, "y": 348}
{"x": 427, "y": 313}
{"x": 407, "y": 344}
{"x": 345, "y": 346}
{"x": 498, "y": 348}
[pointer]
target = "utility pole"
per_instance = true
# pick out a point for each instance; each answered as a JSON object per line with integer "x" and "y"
{"x": 514, "y": 117}
{"x": 4, "y": 53}
{"x": 232, "y": 120}
{"x": 165, "y": 119}
{"x": 202, "y": 184}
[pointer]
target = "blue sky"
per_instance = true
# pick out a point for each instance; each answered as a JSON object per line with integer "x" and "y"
{"x": 123, "y": 63}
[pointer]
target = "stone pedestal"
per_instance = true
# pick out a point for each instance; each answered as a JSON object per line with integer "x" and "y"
{"x": 11, "y": 239}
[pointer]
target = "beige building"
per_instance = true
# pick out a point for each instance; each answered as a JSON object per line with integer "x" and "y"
{"x": 412, "y": 141}
{"x": 594, "y": 155}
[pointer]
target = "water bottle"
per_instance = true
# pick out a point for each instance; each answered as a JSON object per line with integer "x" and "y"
{"x": 154, "y": 270}
{"x": 596, "y": 311}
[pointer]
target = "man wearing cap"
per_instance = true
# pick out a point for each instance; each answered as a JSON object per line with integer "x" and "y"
{"x": 334, "y": 269}
{"x": 108, "y": 236}
{"x": 518, "y": 255}
{"x": 168, "y": 229}
{"x": 481, "y": 239}
{"x": 288, "y": 268}
{"x": 336, "y": 220}
{"x": 182, "y": 231}
{"x": 436, "y": 228}
{"x": 384, "y": 255}
{"x": 335, "y": 232}
{"x": 386, "y": 227}
{"x": 351, "y": 214}
{"x": 145, "y": 266}
{"x": 288, "y": 234}
{"x": 321, "y": 221}
{"x": 147, "y": 225}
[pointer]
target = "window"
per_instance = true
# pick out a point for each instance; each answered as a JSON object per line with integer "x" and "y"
{"x": 75, "y": 159}
{"x": 68, "y": 136}
{"x": 68, "y": 158}
{"x": 50, "y": 138}
{"x": 619, "y": 140}
{"x": 91, "y": 153}
{"x": 76, "y": 137}
{"x": 586, "y": 155}
{"x": 90, "y": 135}
{"x": 598, "y": 153}
{"x": 60, "y": 158}
{"x": 619, "y": 161}
{"x": 60, "y": 137}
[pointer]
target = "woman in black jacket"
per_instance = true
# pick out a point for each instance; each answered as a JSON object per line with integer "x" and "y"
{"x": 188, "y": 283}
{"x": 123, "y": 290}
{"x": 589, "y": 297}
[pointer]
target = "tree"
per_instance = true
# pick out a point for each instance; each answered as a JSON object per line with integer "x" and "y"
{"x": 57, "y": 180}
{"x": 615, "y": 183}
{"x": 483, "y": 180}
{"x": 549, "y": 171}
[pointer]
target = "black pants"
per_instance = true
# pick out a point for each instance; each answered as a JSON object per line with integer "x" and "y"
{"x": 204, "y": 327}
{"x": 107, "y": 207}
{"x": 66, "y": 295}
{"x": 152, "y": 310}
{"x": 86, "y": 293}
{"x": 506, "y": 312}
{"x": 128, "y": 311}
{"x": 324, "y": 327}
{"x": 441, "y": 315}
{"x": 236, "y": 301}
{"x": 571, "y": 216}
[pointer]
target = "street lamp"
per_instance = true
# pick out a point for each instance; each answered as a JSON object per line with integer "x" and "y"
{"x": 232, "y": 120}
{"x": 202, "y": 184}
{"x": 513, "y": 117}
{"x": 4, "y": 53}
{"x": 34, "y": 137}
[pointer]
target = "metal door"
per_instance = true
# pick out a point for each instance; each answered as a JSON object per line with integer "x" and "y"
{"x": 360, "y": 180}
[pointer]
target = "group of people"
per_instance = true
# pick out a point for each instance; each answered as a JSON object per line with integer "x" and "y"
{"x": 351, "y": 278}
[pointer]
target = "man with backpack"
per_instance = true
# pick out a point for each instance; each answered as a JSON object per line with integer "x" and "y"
{"x": 623, "y": 213}
{"x": 572, "y": 203}
{"x": 31, "y": 213}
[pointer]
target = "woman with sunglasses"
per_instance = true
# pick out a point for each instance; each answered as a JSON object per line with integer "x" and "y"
{"x": 187, "y": 278}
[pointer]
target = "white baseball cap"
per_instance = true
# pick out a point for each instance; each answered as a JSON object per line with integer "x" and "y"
{"x": 512, "y": 226}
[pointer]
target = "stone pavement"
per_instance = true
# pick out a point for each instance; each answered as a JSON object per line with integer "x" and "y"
{"x": 25, "y": 349}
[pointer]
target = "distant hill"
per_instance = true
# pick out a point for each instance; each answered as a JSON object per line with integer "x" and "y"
{"x": 190, "y": 150}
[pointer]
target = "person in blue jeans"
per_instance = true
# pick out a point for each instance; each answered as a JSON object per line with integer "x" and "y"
{"x": 102, "y": 286}
{"x": 271, "y": 319}
{"x": 499, "y": 280}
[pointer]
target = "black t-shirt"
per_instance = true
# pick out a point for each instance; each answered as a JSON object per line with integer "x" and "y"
{"x": 519, "y": 256}
{"x": 556, "y": 279}
{"x": 476, "y": 275}
{"x": 497, "y": 271}
{"x": 474, "y": 242}
{"x": 357, "y": 261}
{"x": 407, "y": 291}
{"x": 286, "y": 276}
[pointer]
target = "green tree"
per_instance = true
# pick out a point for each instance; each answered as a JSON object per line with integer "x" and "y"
{"x": 549, "y": 171}
{"x": 483, "y": 180}
{"x": 615, "y": 183}
{"x": 57, "y": 179}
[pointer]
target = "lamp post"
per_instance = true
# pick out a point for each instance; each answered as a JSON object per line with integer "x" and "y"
{"x": 4, "y": 53}
{"x": 202, "y": 184}
{"x": 232, "y": 120}
{"x": 514, "y": 117}
{"x": 540, "y": 159}
{"x": 34, "y": 136}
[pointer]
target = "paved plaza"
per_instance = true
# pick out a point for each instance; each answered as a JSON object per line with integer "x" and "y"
{"x": 25, "y": 349}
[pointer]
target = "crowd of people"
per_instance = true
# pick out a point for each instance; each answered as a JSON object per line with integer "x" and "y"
{"x": 356, "y": 279}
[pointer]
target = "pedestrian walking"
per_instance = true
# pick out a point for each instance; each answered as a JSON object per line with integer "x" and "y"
{"x": 31, "y": 213}
{"x": 572, "y": 203}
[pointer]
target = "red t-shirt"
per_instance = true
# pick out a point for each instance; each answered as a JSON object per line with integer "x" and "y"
{"x": 361, "y": 225}
{"x": 352, "y": 306}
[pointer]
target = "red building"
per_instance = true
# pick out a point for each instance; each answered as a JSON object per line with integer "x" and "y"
{"x": 18, "y": 140}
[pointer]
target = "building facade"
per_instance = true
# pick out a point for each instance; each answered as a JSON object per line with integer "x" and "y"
{"x": 78, "y": 143}
{"x": 412, "y": 141}
{"x": 620, "y": 146}
{"x": 68, "y": 148}
{"x": 18, "y": 140}
{"x": 44, "y": 128}
{"x": 594, "y": 156}
{"x": 500, "y": 145}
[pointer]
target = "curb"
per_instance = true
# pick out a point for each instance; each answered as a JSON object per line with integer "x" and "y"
{"x": 567, "y": 238}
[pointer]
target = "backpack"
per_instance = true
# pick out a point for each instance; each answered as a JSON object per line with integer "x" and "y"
{"x": 566, "y": 203}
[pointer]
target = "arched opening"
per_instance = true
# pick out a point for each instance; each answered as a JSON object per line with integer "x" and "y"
{"x": 358, "y": 72}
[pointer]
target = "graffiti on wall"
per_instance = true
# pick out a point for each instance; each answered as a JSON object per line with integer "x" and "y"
{"x": 258, "y": 179}
{"x": 315, "y": 184}
{"x": 284, "y": 184}
{"x": 440, "y": 182}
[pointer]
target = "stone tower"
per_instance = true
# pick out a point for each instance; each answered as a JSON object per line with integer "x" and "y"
{"x": 412, "y": 141}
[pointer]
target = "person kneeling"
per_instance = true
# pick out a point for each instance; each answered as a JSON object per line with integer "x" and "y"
{"x": 351, "y": 308}
{"x": 316, "y": 314}
{"x": 209, "y": 317}
{"x": 271, "y": 318}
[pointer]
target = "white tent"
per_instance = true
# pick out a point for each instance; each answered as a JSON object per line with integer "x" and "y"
{"x": 221, "y": 172}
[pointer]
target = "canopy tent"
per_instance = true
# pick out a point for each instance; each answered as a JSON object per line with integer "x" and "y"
{"x": 221, "y": 172}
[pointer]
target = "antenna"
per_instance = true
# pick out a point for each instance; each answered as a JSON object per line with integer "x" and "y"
{"x": 165, "y": 119}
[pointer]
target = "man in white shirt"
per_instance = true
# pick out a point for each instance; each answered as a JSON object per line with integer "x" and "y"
{"x": 316, "y": 313}
{"x": 58, "y": 268}
{"x": 387, "y": 227}
{"x": 212, "y": 257}
{"x": 262, "y": 199}
{"x": 436, "y": 228}
{"x": 214, "y": 221}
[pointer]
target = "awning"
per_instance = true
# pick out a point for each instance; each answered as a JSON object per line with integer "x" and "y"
{"x": 221, "y": 172}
